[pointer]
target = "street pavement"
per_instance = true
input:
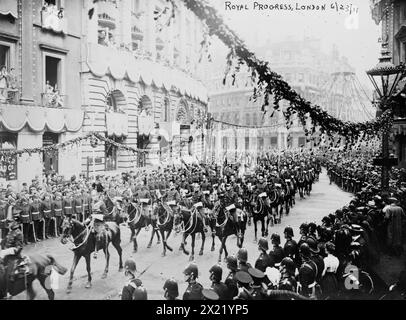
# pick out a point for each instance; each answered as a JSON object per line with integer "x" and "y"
{"x": 324, "y": 199}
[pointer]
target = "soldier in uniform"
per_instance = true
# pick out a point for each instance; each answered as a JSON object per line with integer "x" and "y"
{"x": 36, "y": 215}
{"x": 307, "y": 272}
{"x": 172, "y": 194}
{"x": 133, "y": 290}
{"x": 201, "y": 214}
{"x": 277, "y": 253}
{"x": 171, "y": 289}
{"x": 194, "y": 289}
{"x": 287, "y": 270}
{"x": 26, "y": 220}
{"x": 144, "y": 197}
{"x": 216, "y": 273}
{"x": 230, "y": 197}
{"x": 78, "y": 205}
{"x": 57, "y": 205}
{"x": 264, "y": 260}
{"x": 230, "y": 281}
{"x": 244, "y": 282}
{"x": 48, "y": 214}
{"x": 67, "y": 205}
{"x": 242, "y": 257}
{"x": 290, "y": 248}
{"x": 304, "y": 230}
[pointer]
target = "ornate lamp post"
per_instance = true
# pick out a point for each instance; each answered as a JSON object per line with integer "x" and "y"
{"x": 385, "y": 77}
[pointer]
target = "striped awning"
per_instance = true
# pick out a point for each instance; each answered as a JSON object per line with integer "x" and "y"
{"x": 9, "y": 7}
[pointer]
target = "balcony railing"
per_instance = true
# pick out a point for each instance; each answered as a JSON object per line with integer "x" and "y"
{"x": 53, "y": 18}
{"x": 54, "y": 100}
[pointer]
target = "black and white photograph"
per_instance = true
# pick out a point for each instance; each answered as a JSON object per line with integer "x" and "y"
{"x": 210, "y": 150}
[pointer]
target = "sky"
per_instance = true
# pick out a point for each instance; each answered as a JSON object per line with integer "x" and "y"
{"x": 356, "y": 36}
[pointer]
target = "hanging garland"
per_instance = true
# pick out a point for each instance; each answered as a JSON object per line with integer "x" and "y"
{"x": 271, "y": 83}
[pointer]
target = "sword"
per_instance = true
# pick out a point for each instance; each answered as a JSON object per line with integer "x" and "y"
{"x": 145, "y": 270}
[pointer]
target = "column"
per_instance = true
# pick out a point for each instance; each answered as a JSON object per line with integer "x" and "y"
{"x": 27, "y": 90}
{"x": 91, "y": 24}
{"x": 150, "y": 36}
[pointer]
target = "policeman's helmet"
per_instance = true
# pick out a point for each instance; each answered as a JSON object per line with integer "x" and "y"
{"x": 130, "y": 266}
{"x": 288, "y": 264}
{"x": 191, "y": 270}
{"x": 276, "y": 239}
{"x": 263, "y": 244}
{"x": 312, "y": 227}
{"x": 304, "y": 250}
{"x": 171, "y": 288}
{"x": 288, "y": 232}
{"x": 217, "y": 272}
{"x": 242, "y": 255}
{"x": 232, "y": 263}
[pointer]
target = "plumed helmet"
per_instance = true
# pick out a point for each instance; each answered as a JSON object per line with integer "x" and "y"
{"x": 289, "y": 264}
{"x": 305, "y": 249}
{"x": 289, "y": 231}
{"x": 191, "y": 269}
{"x": 130, "y": 265}
{"x": 171, "y": 286}
{"x": 242, "y": 255}
{"x": 275, "y": 238}
{"x": 263, "y": 244}
{"x": 140, "y": 293}
{"x": 217, "y": 272}
{"x": 232, "y": 263}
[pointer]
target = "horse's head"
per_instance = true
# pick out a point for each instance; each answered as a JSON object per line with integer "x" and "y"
{"x": 67, "y": 229}
{"x": 177, "y": 221}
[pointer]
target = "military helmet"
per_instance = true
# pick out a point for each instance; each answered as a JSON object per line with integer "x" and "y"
{"x": 217, "y": 272}
{"x": 232, "y": 263}
{"x": 263, "y": 244}
{"x": 304, "y": 227}
{"x": 289, "y": 232}
{"x": 289, "y": 264}
{"x": 305, "y": 249}
{"x": 191, "y": 269}
{"x": 130, "y": 265}
{"x": 312, "y": 227}
{"x": 242, "y": 255}
{"x": 171, "y": 286}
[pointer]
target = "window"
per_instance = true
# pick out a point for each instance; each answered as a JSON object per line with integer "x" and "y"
{"x": 301, "y": 77}
{"x": 225, "y": 143}
{"x": 166, "y": 111}
{"x": 247, "y": 143}
{"x": 52, "y": 71}
{"x": 274, "y": 141}
{"x": 260, "y": 143}
{"x": 50, "y": 160}
{"x": 302, "y": 141}
{"x": 4, "y": 56}
{"x": 135, "y": 6}
{"x": 111, "y": 153}
{"x": 8, "y": 163}
{"x": 53, "y": 80}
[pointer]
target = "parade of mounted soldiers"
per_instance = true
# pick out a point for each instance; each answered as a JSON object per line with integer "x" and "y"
{"x": 214, "y": 203}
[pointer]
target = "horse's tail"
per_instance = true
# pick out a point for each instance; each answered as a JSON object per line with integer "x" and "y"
{"x": 59, "y": 268}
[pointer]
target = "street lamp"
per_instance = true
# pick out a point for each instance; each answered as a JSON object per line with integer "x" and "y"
{"x": 385, "y": 77}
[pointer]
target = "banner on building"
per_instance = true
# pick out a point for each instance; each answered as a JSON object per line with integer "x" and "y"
{"x": 145, "y": 123}
{"x": 8, "y": 167}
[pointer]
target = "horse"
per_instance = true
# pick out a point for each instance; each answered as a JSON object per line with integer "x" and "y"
{"x": 259, "y": 213}
{"x": 164, "y": 223}
{"x": 301, "y": 183}
{"x": 136, "y": 221}
{"x": 85, "y": 242}
{"x": 225, "y": 227}
{"x": 189, "y": 223}
{"x": 37, "y": 267}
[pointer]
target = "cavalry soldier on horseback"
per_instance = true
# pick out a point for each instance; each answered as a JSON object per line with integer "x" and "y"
{"x": 216, "y": 273}
{"x": 172, "y": 194}
{"x": 145, "y": 199}
{"x": 171, "y": 290}
{"x": 194, "y": 289}
{"x": 264, "y": 260}
{"x": 201, "y": 214}
{"x": 230, "y": 281}
{"x": 230, "y": 197}
{"x": 134, "y": 290}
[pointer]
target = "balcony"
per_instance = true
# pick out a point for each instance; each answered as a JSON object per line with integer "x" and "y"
{"x": 53, "y": 18}
{"x": 54, "y": 100}
{"x": 107, "y": 13}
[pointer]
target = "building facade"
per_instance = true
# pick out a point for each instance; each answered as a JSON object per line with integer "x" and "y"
{"x": 324, "y": 79}
{"x": 392, "y": 16}
{"x": 40, "y": 93}
{"x": 140, "y": 84}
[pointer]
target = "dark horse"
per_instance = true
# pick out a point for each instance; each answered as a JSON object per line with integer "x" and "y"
{"x": 136, "y": 221}
{"x": 189, "y": 223}
{"x": 259, "y": 213}
{"x": 84, "y": 244}
{"x": 38, "y": 266}
{"x": 165, "y": 223}
{"x": 225, "y": 227}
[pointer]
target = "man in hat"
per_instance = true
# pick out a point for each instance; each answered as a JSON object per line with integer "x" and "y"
{"x": 200, "y": 213}
{"x": 307, "y": 272}
{"x": 287, "y": 271}
{"x": 171, "y": 290}
{"x": 36, "y": 214}
{"x": 57, "y": 205}
{"x": 242, "y": 257}
{"x": 316, "y": 257}
{"x": 230, "y": 197}
{"x": 48, "y": 214}
{"x": 194, "y": 289}
{"x": 216, "y": 273}
{"x": 26, "y": 220}
{"x": 291, "y": 249}
{"x": 230, "y": 282}
{"x": 276, "y": 253}
{"x": 258, "y": 287}
{"x": 394, "y": 216}
{"x": 244, "y": 283}
{"x": 144, "y": 197}
{"x": 264, "y": 260}
{"x": 133, "y": 290}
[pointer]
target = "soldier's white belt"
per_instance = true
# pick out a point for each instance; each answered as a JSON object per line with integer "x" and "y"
{"x": 287, "y": 180}
{"x": 263, "y": 194}
{"x": 58, "y": 210}
{"x": 34, "y": 213}
{"x": 278, "y": 185}
{"x": 171, "y": 203}
{"x": 144, "y": 200}
{"x": 68, "y": 207}
{"x": 47, "y": 211}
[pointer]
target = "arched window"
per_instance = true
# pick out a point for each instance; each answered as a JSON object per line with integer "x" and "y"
{"x": 111, "y": 103}
{"x": 166, "y": 111}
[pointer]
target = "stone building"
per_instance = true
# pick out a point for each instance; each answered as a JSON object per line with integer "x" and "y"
{"x": 40, "y": 92}
{"x": 140, "y": 83}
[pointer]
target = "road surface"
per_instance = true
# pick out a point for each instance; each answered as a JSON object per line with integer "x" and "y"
{"x": 324, "y": 199}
